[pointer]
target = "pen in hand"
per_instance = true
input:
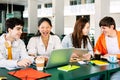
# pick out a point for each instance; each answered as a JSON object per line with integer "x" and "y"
{"x": 70, "y": 65}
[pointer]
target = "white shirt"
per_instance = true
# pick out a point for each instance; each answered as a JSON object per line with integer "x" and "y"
{"x": 36, "y": 46}
{"x": 112, "y": 45}
{"x": 18, "y": 53}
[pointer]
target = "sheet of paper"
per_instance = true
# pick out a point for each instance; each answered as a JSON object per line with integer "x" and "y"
{"x": 68, "y": 67}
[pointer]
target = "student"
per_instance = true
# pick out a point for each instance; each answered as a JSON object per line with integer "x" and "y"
{"x": 44, "y": 41}
{"x": 79, "y": 38}
{"x": 12, "y": 49}
{"x": 109, "y": 41}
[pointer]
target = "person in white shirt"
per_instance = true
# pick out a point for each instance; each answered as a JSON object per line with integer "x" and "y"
{"x": 13, "y": 53}
{"x": 45, "y": 41}
{"x": 79, "y": 38}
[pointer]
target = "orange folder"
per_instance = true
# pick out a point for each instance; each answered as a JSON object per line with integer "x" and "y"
{"x": 29, "y": 74}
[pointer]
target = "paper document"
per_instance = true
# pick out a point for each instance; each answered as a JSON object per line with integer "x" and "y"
{"x": 98, "y": 62}
{"x": 68, "y": 67}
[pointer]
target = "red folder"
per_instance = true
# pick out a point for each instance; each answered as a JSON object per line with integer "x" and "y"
{"x": 29, "y": 74}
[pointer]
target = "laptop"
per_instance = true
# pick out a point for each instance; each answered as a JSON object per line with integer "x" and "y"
{"x": 59, "y": 57}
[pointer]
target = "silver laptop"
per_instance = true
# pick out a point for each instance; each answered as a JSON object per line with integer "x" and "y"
{"x": 59, "y": 57}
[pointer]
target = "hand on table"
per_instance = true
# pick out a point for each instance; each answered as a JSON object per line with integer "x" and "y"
{"x": 87, "y": 56}
{"x": 24, "y": 63}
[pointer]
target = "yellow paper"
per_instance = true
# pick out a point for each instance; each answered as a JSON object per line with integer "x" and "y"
{"x": 98, "y": 62}
{"x": 68, "y": 67}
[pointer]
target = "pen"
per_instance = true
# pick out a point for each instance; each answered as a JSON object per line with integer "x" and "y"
{"x": 70, "y": 65}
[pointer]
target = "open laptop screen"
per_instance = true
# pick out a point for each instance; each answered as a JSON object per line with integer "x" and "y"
{"x": 59, "y": 57}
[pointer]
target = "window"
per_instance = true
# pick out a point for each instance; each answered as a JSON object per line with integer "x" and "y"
{"x": 48, "y": 5}
{"x": 89, "y": 1}
{"x": 39, "y": 6}
{"x": 75, "y": 2}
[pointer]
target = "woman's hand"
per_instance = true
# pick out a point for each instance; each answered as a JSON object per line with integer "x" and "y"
{"x": 87, "y": 56}
{"x": 75, "y": 55}
{"x": 106, "y": 56}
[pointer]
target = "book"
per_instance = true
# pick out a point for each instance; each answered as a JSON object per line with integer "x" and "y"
{"x": 68, "y": 67}
{"x": 28, "y": 74}
{"x": 99, "y": 62}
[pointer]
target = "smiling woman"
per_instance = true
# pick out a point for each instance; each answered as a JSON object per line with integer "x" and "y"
{"x": 44, "y": 41}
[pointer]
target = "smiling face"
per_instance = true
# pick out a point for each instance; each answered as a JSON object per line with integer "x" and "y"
{"x": 108, "y": 26}
{"x": 86, "y": 29}
{"x": 45, "y": 29}
{"x": 16, "y": 32}
{"x": 107, "y": 30}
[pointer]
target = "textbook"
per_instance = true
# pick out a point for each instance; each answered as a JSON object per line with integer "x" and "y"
{"x": 68, "y": 68}
{"x": 29, "y": 74}
{"x": 99, "y": 62}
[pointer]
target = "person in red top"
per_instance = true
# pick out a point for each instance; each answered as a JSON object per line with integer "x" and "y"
{"x": 109, "y": 41}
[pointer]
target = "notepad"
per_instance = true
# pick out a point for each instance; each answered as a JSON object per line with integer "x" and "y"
{"x": 68, "y": 68}
{"x": 98, "y": 62}
{"x": 29, "y": 74}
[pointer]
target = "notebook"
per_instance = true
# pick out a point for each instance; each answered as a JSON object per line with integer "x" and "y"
{"x": 99, "y": 62}
{"x": 79, "y": 52}
{"x": 29, "y": 74}
{"x": 68, "y": 67}
{"x": 59, "y": 57}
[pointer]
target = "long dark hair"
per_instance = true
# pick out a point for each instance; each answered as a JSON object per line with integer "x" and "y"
{"x": 77, "y": 35}
{"x": 40, "y": 22}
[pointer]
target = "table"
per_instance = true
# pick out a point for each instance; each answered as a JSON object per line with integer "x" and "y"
{"x": 112, "y": 68}
{"x": 84, "y": 72}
